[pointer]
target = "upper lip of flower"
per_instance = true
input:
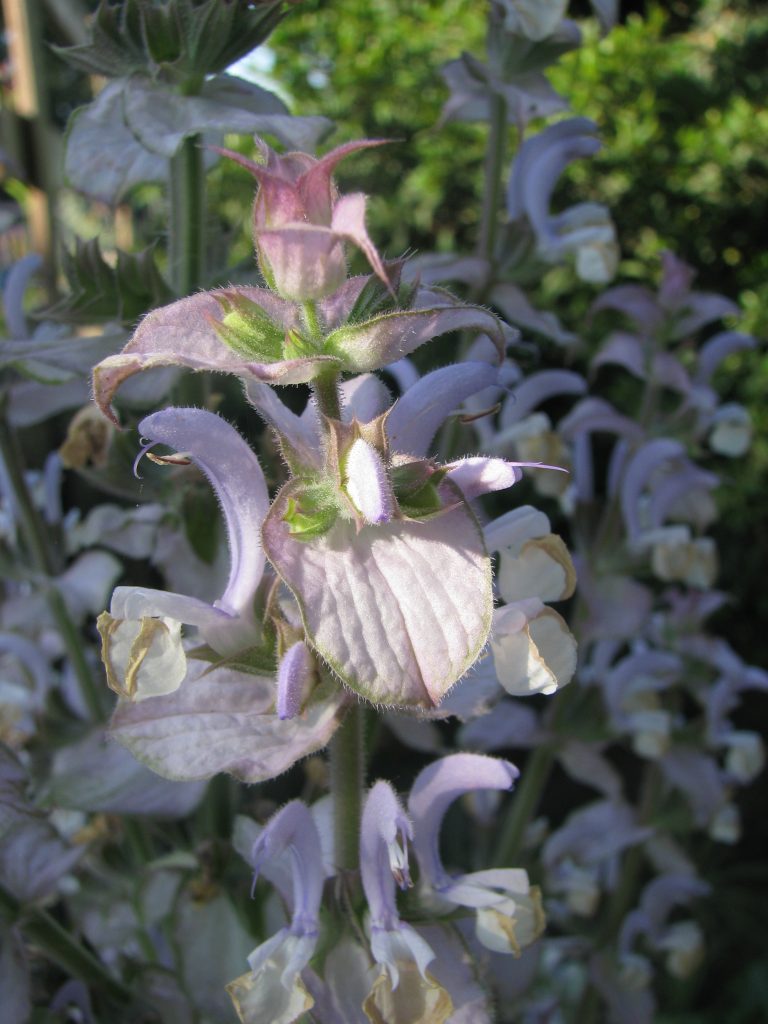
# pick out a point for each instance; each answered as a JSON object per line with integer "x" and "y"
{"x": 236, "y": 476}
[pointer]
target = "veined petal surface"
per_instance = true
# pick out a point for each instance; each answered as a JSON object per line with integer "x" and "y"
{"x": 222, "y": 720}
{"x": 399, "y": 610}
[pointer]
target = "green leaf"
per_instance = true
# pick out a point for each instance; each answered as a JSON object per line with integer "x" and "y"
{"x": 255, "y": 661}
{"x": 375, "y": 298}
{"x": 99, "y": 292}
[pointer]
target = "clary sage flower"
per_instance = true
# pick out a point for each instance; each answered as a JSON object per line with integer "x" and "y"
{"x": 311, "y": 319}
{"x": 584, "y": 231}
{"x": 508, "y": 909}
{"x": 392, "y": 970}
{"x": 378, "y": 543}
{"x": 142, "y": 648}
{"x": 256, "y": 721}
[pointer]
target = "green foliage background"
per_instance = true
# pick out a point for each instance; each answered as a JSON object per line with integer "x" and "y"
{"x": 678, "y": 91}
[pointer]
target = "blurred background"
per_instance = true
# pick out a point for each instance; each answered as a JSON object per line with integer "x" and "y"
{"x": 678, "y": 90}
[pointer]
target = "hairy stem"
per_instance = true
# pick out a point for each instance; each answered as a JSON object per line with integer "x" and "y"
{"x": 326, "y": 391}
{"x": 312, "y": 322}
{"x": 347, "y": 781}
{"x": 186, "y": 245}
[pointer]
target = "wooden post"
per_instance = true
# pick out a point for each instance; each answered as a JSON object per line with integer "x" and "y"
{"x": 40, "y": 164}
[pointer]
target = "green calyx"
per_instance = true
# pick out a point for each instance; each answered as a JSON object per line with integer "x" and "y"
{"x": 247, "y": 329}
{"x": 296, "y": 346}
{"x": 376, "y": 300}
{"x": 416, "y": 487}
{"x": 313, "y": 512}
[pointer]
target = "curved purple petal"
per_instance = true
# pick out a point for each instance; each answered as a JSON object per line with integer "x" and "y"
{"x": 416, "y": 417}
{"x": 483, "y": 474}
{"x": 596, "y": 415}
{"x": 539, "y": 163}
{"x": 622, "y": 349}
{"x": 293, "y": 831}
{"x": 636, "y": 302}
{"x": 538, "y": 388}
{"x": 637, "y": 473}
{"x": 514, "y": 304}
{"x": 237, "y": 478}
{"x": 405, "y": 373}
{"x": 299, "y": 432}
{"x": 435, "y": 789}
{"x": 363, "y": 398}
{"x": 701, "y": 309}
{"x": 717, "y": 348}
{"x": 384, "y": 835}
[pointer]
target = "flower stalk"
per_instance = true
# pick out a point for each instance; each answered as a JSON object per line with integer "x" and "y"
{"x": 186, "y": 255}
{"x": 494, "y": 162}
{"x": 347, "y": 762}
{"x": 325, "y": 388}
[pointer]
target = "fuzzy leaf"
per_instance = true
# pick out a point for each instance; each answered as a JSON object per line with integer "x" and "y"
{"x": 99, "y": 292}
{"x": 183, "y": 334}
{"x": 129, "y": 132}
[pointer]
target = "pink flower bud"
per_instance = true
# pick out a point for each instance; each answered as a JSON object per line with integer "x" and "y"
{"x": 294, "y": 678}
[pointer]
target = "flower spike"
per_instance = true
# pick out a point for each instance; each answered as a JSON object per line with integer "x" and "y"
{"x": 384, "y": 835}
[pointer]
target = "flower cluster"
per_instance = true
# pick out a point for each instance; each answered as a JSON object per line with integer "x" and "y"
{"x": 369, "y": 566}
{"x": 379, "y": 967}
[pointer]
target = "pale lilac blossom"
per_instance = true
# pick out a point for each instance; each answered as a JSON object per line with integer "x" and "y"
{"x": 385, "y": 833}
{"x": 141, "y": 635}
{"x": 508, "y": 913}
{"x": 273, "y": 992}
